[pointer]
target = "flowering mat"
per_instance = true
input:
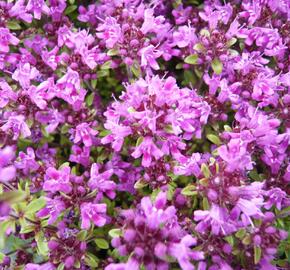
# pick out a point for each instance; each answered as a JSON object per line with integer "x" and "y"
{"x": 144, "y": 135}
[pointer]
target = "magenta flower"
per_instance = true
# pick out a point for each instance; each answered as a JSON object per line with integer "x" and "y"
{"x": 19, "y": 11}
{"x": 18, "y": 126}
{"x": 117, "y": 136}
{"x": 40, "y": 94}
{"x": 27, "y": 162}
{"x": 57, "y": 180}
{"x": 101, "y": 181}
{"x": 216, "y": 219}
{"x": 236, "y": 155}
{"x": 7, "y": 169}
{"x": 6, "y": 94}
{"x": 37, "y": 7}
{"x": 148, "y": 57}
{"x": 24, "y": 74}
{"x": 147, "y": 149}
{"x": 93, "y": 212}
{"x": 110, "y": 32}
{"x": 54, "y": 207}
{"x": 166, "y": 237}
{"x": 52, "y": 117}
{"x": 6, "y": 38}
{"x": 85, "y": 134}
{"x": 80, "y": 155}
{"x": 50, "y": 57}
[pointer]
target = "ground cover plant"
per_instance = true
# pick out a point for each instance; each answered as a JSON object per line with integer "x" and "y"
{"x": 145, "y": 135}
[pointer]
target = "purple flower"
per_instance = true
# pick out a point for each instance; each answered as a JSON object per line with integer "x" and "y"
{"x": 236, "y": 155}
{"x": 7, "y": 170}
{"x": 166, "y": 237}
{"x": 6, "y": 94}
{"x": 50, "y": 58}
{"x": 110, "y": 31}
{"x": 45, "y": 266}
{"x": 85, "y": 134}
{"x": 38, "y": 7}
{"x": 26, "y": 162}
{"x": 93, "y": 212}
{"x": 57, "y": 180}
{"x": 148, "y": 57}
{"x": 117, "y": 136}
{"x": 24, "y": 74}
{"x": 147, "y": 149}
{"x": 101, "y": 181}
{"x": 18, "y": 126}
{"x": 54, "y": 207}
{"x": 184, "y": 36}
{"x": 80, "y": 155}
{"x": 69, "y": 89}
{"x": 276, "y": 197}
{"x": 40, "y": 94}
{"x": 248, "y": 209}
{"x": 19, "y": 11}
{"x": 6, "y": 38}
{"x": 52, "y": 117}
{"x": 216, "y": 218}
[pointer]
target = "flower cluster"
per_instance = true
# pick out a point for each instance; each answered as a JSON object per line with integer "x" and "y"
{"x": 144, "y": 134}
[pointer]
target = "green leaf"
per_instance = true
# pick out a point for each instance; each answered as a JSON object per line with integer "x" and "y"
{"x": 217, "y": 66}
{"x": 13, "y": 25}
{"x": 205, "y": 203}
{"x": 106, "y": 65}
{"x": 179, "y": 66}
{"x": 81, "y": 236}
{"x": 189, "y": 190}
{"x": 205, "y": 32}
{"x": 27, "y": 229}
{"x": 91, "y": 260}
{"x": 14, "y": 196}
{"x": 227, "y": 128}
{"x": 136, "y": 70}
{"x": 231, "y": 42}
{"x": 63, "y": 165}
{"x": 70, "y": 9}
{"x": 90, "y": 99}
{"x": 94, "y": 83}
{"x": 205, "y": 170}
{"x": 104, "y": 133}
{"x": 240, "y": 233}
{"x": 115, "y": 233}
{"x": 77, "y": 264}
{"x": 189, "y": 77}
{"x": 140, "y": 184}
{"x": 102, "y": 243}
{"x": 254, "y": 175}
{"x": 60, "y": 266}
{"x": 247, "y": 240}
{"x": 257, "y": 254}
{"x": 112, "y": 52}
{"x": 139, "y": 141}
{"x": 199, "y": 47}
{"x": 2, "y": 256}
{"x": 35, "y": 205}
{"x": 230, "y": 240}
{"x": 103, "y": 73}
{"x": 65, "y": 128}
{"x": 42, "y": 247}
{"x": 203, "y": 182}
{"x": 214, "y": 139}
{"x": 191, "y": 59}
